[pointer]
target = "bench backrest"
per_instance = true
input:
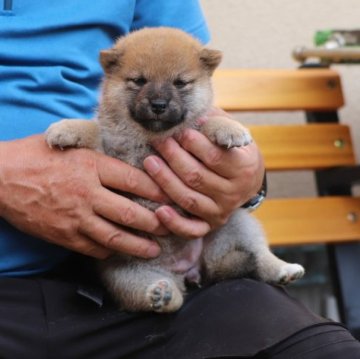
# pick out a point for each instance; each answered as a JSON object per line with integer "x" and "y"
{"x": 293, "y": 147}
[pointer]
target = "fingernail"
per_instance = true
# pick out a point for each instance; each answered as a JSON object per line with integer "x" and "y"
{"x": 178, "y": 136}
{"x": 152, "y": 165}
{"x": 164, "y": 213}
{"x": 188, "y": 134}
{"x": 153, "y": 251}
{"x": 201, "y": 120}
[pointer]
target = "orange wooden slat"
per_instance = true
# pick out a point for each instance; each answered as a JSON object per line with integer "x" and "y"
{"x": 260, "y": 90}
{"x": 311, "y": 220}
{"x": 313, "y": 146}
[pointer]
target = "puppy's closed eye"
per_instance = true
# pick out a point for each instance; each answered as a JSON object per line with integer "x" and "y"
{"x": 179, "y": 83}
{"x": 138, "y": 81}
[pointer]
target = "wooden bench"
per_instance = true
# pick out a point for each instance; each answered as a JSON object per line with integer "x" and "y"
{"x": 297, "y": 147}
{"x": 322, "y": 145}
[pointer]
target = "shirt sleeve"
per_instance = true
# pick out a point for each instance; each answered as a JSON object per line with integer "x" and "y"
{"x": 186, "y": 15}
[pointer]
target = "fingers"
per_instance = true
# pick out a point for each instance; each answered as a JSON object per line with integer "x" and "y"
{"x": 116, "y": 239}
{"x": 183, "y": 227}
{"x": 226, "y": 163}
{"x": 188, "y": 199}
{"x": 243, "y": 167}
{"x": 121, "y": 210}
{"x": 118, "y": 175}
{"x": 204, "y": 179}
{"x": 192, "y": 172}
{"x": 85, "y": 245}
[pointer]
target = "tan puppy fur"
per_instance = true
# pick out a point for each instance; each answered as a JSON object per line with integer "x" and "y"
{"x": 158, "y": 82}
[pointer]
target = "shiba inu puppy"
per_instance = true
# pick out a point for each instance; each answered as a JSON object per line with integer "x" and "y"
{"x": 158, "y": 82}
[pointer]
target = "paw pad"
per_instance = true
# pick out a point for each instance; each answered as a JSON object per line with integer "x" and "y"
{"x": 163, "y": 298}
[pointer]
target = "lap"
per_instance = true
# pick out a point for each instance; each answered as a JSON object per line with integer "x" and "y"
{"x": 48, "y": 318}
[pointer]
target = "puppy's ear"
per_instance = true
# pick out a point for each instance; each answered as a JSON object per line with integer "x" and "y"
{"x": 110, "y": 59}
{"x": 210, "y": 58}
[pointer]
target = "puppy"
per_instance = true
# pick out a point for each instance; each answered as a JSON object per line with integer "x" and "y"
{"x": 157, "y": 83}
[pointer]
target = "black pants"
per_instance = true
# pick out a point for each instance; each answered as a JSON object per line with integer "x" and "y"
{"x": 48, "y": 318}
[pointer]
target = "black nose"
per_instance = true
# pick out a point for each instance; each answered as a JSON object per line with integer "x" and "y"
{"x": 158, "y": 105}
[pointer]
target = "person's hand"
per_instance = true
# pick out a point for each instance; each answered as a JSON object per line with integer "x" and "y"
{"x": 208, "y": 181}
{"x": 63, "y": 197}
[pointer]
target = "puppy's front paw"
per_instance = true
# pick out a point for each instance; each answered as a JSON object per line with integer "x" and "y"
{"x": 164, "y": 296}
{"x": 60, "y": 135}
{"x": 73, "y": 133}
{"x": 226, "y": 132}
{"x": 290, "y": 273}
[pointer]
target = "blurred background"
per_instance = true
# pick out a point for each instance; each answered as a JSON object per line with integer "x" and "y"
{"x": 263, "y": 34}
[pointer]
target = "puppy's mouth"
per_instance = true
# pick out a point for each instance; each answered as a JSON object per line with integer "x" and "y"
{"x": 159, "y": 123}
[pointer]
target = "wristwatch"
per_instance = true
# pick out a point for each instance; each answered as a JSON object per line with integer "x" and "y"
{"x": 259, "y": 198}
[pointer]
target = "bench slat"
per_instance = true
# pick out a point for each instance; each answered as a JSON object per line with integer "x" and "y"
{"x": 278, "y": 90}
{"x": 313, "y": 146}
{"x": 310, "y": 220}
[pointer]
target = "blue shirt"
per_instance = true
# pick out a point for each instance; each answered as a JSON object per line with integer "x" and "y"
{"x": 49, "y": 70}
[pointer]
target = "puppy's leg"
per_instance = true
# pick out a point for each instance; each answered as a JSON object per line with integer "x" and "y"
{"x": 273, "y": 270}
{"x": 228, "y": 251}
{"x": 239, "y": 249}
{"x": 73, "y": 133}
{"x": 226, "y": 132}
{"x": 141, "y": 287}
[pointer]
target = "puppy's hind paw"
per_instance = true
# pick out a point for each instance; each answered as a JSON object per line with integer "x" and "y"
{"x": 163, "y": 296}
{"x": 290, "y": 273}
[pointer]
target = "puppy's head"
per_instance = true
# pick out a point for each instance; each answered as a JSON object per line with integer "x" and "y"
{"x": 159, "y": 76}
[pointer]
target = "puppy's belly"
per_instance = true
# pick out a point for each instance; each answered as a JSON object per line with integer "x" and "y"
{"x": 187, "y": 261}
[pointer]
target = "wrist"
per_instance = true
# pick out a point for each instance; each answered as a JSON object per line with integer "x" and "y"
{"x": 259, "y": 198}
